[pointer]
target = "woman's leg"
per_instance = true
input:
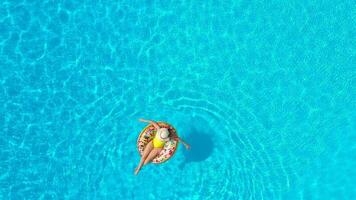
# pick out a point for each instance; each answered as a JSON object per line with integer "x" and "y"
{"x": 152, "y": 155}
{"x": 146, "y": 152}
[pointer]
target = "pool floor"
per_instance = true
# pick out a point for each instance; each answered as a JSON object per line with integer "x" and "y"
{"x": 264, "y": 92}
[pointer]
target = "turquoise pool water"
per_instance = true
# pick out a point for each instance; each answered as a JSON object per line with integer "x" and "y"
{"x": 263, "y": 91}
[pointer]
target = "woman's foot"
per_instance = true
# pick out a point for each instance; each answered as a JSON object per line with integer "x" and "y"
{"x": 137, "y": 170}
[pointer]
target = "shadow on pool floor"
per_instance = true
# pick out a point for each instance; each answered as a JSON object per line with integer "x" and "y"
{"x": 201, "y": 144}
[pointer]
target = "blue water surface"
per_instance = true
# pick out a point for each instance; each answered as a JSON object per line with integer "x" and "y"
{"x": 264, "y": 91}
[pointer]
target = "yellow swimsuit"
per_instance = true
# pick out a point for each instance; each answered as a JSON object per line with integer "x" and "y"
{"x": 157, "y": 142}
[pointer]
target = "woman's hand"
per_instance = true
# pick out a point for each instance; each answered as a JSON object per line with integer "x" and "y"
{"x": 187, "y": 146}
{"x": 142, "y": 120}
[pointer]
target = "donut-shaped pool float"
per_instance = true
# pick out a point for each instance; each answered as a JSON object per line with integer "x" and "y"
{"x": 148, "y": 133}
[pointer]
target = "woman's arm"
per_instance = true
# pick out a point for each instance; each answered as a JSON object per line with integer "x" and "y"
{"x": 151, "y": 122}
{"x": 187, "y": 146}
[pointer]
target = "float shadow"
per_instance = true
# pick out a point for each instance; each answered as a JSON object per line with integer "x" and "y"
{"x": 201, "y": 146}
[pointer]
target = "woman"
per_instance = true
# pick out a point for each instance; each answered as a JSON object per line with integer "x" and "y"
{"x": 154, "y": 147}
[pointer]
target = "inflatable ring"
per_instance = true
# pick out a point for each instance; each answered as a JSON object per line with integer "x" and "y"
{"x": 148, "y": 133}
